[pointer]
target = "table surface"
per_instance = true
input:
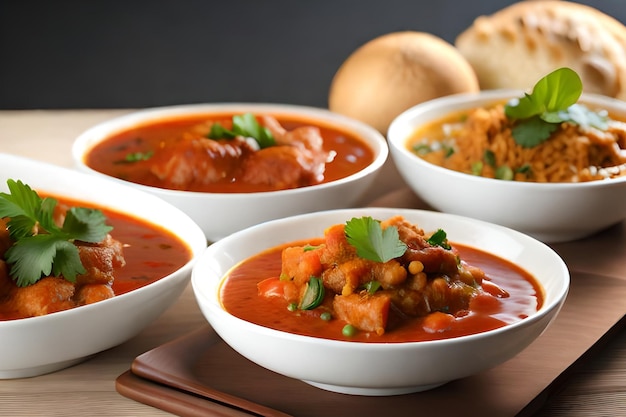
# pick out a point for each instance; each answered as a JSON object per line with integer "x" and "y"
{"x": 596, "y": 388}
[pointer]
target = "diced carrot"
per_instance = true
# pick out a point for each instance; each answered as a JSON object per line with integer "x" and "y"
{"x": 437, "y": 322}
{"x": 271, "y": 287}
{"x": 300, "y": 264}
{"x": 275, "y": 287}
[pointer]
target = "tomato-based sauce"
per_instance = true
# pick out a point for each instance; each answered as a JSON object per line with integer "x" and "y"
{"x": 240, "y": 297}
{"x": 351, "y": 154}
{"x": 150, "y": 253}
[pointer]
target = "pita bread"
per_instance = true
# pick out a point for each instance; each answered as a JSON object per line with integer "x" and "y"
{"x": 516, "y": 46}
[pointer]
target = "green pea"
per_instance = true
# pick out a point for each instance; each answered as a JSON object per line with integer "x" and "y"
{"x": 348, "y": 330}
{"x": 326, "y": 316}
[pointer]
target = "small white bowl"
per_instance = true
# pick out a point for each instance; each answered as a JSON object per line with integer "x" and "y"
{"x": 551, "y": 212}
{"x": 39, "y": 345}
{"x": 378, "y": 369}
{"x": 220, "y": 214}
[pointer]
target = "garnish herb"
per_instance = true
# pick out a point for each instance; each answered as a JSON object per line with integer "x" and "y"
{"x": 552, "y": 102}
{"x": 372, "y": 286}
{"x": 504, "y": 172}
{"x": 524, "y": 169}
{"x": 439, "y": 238}
{"x": 244, "y": 125}
{"x": 477, "y": 168}
{"x": 490, "y": 158}
{"x": 42, "y": 248}
{"x": 372, "y": 242}
{"x": 313, "y": 294}
{"x": 422, "y": 149}
{"x": 138, "y": 156}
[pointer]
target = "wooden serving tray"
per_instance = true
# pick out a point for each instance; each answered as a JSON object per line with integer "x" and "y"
{"x": 199, "y": 375}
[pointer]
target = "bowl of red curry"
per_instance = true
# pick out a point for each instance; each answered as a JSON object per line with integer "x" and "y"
{"x": 234, "y": 165}
{"x": 379, "y": 301}
{"x": 549, "y": 162}
{"x": 85, "y": 264}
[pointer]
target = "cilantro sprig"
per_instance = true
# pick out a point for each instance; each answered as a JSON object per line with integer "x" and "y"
{"x": 439, "y": 238}
{"x": 40, "y": 247}
{"x": 552, "y": 102}
{"x": 244, "y": 125}
{"x": 372, "y": 242}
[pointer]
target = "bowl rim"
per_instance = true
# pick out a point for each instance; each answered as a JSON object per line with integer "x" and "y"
{"x": 373, "y": 138}
{"x": 405, "y": 121}
{"x": 212, "y": 303}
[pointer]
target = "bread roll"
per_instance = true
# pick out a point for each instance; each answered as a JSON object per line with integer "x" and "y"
{"x": 516, "y": 46}
{"x": 393, "y": 72}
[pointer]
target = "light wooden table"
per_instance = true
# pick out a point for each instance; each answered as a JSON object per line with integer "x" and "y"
{"x": 598, "y": 389}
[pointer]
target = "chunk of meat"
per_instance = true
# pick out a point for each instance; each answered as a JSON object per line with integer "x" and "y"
{"x": 199, "y": 160}
{"x": 5, "y": 241}
{"x": 48, "y": 295}
{"x": 345, "y": 277}
{"x": 364, "y": 311}
{"x": 336, "y": 246}
{"x": 92, "y": 293}
{"x": 298, "y": 159}
{"x": 6, "y": 283}
{"x": 100, "y": 261}
{"x": 298, "y": 264}
{"x": 282, "y": 167}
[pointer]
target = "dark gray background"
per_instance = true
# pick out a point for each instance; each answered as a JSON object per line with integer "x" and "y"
{"x": 105, "y": 54}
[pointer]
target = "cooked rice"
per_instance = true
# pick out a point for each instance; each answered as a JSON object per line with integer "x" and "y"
{"x": 571, "y": 154}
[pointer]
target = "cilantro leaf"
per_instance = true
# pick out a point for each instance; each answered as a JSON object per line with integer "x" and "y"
{"x": 244, "y": 125}
{"x": 439, "y": 238}
{"x": 40, "y": 247}
{"x": 86, "y": 225}
{"x": 372, "y": 242}
{"x": 43, "y": 255}
{"x": 138, "y": 156}
{"x": 532, "y": 132}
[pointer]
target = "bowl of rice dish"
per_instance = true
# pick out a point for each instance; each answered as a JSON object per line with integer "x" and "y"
{"x": 557, "y": 175}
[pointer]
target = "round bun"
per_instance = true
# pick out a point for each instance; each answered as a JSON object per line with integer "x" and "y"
{"x": 516, "y": 46}
{"x": 394, "y": 72}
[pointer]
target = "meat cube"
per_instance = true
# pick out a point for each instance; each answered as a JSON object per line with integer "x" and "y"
{"x": 91, "y": 293}
{"x": 344, "y": 278}
{"x": 100, "y": 260}
{"x": 364, "y": 311}
{"x": 48, "y": 295}
{"x": 299, "y": 264}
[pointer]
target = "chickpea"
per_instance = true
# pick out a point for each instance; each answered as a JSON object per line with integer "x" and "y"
{"x": 415, "y": 267}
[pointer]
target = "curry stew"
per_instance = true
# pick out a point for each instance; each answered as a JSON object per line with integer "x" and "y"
{"x": 133, "y": 254}
{"x": 430, "y": 292}
{"x": 182, "y": 154}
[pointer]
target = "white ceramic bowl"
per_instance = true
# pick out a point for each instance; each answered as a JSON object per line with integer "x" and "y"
{"x": 220, "y": 214}
{"x": 550, "y": 212}
{"x": 39, "y": 345}
{"x": 378, "y": 368}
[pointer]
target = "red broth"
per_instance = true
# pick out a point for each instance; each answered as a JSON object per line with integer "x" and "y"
{"x": 150, "y": 251}
{"x": 352, "y": 153}
{"x": 239, "y": 296}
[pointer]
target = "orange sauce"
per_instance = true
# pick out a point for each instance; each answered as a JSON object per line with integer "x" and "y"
{"x": 352, "y": 153}
{"x": 239, "y": 297}
{"x": 150, "y": 251}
